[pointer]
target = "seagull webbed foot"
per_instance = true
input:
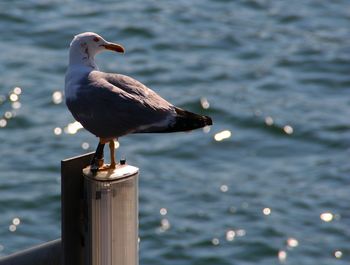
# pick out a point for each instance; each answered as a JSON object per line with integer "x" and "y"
{"x": 97, "y": 162}
{"x": 96, "y": 165}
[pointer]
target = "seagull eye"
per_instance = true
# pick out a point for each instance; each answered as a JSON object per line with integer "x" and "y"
{"x": 96, "y": 39}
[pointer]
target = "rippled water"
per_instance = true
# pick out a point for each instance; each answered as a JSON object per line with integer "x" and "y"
{"x": 268, "y": 184}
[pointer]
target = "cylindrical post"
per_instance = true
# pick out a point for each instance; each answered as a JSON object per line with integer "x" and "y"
{"x": 111, "y": 216}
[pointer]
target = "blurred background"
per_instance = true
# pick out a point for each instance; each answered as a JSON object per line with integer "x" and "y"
{"x": 267, "y": 184}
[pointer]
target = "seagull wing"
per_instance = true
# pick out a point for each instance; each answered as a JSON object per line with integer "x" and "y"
{"x": 112, "y": 105}
{"x": 176, "y": 119}
{"x": 139, "y": 91}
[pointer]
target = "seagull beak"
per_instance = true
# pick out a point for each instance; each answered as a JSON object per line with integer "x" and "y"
{"x": 114, "y": 47}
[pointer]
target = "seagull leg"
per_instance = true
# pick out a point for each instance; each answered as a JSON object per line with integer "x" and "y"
{"x": 97, "y": 160}
{"x": 112, "y": 153}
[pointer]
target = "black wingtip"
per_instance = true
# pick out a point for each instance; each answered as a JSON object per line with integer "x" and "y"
{"x": 187, "y": 121}
{"x": 184, "y": 121}
{"x": 208, "y": 121}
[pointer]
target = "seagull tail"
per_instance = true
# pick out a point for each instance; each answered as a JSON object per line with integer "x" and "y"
{"x": 187, "y": 121}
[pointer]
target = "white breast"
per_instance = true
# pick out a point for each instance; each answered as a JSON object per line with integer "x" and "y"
{"x": 74, "y": 75}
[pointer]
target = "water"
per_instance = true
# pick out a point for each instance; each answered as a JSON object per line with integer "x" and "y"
{"x": 273, "y": 74}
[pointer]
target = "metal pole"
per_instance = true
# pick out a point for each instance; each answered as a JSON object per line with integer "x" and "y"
{"x": 45, "y": 254}
{"x": 111, "y": 199}
{"x": 72, "y": 184}
{"x": 99, "y": 222}
{"x": 99, "y": 219}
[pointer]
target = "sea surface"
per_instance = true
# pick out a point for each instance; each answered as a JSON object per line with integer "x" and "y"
{"x": 268, "y": 184}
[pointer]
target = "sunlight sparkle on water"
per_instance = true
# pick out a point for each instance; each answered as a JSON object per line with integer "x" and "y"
{"x": 241, "y": 232}
{"x": 8, "y": 114}
{"x": 206, "y": 129}
{"x": 12, "y": 228}
{"x": 13, "y": 97}
{"x": 163, "y": 211}
{"x": 266, "y": 211}
{"x": 282, "y": 256}
{"x": 288, "y": 129}
{"x": 230, "y": 235}
{"x": 224, "y": 188}
{"x": 73, "y": 128}
{"x": 16, "y": 221}
{"x": 268, "y": 121}
{"x": 17, "y": 90}
{"x": 85, "y": 145}
{"x": 326, "y": 217}
{"x": 57, "y": 131}
{"x": 222, "y": 135}
{"x": 215, "y": 241}
{"x": 164, "y": 225}
{"x": 16, "y": 105}
{"x": 205, "y": 103}
{"x": 57, "y": 97}
{"x": 3, "y": 123}
{"x": 292, "y": 242}
{"x": 338, "y": 254}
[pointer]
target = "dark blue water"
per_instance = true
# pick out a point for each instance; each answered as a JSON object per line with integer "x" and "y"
{"x": 275, "y": 77}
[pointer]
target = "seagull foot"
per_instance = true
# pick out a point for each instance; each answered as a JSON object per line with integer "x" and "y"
{"x": 96, "y": 165}
{"x": 105, "y": 167}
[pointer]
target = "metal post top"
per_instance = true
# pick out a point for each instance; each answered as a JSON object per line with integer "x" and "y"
{"x": 120, "y": 172}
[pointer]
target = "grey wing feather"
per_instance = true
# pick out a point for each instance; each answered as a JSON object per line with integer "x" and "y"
{"x": 141, "y": 92}
{"x": 112, "y": 105}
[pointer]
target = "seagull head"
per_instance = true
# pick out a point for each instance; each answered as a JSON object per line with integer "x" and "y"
{"x": 85, "y": 46}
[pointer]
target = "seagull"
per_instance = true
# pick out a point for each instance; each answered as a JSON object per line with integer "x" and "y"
{"x": 111, "y": 105}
